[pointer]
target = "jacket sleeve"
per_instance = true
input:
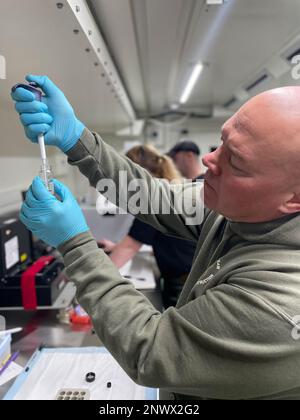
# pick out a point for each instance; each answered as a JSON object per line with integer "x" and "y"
{"x": 227, "y": 344}
{"x": 173, "y": 209}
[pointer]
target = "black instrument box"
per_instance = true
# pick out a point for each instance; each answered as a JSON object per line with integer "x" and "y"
{"x": 15, "y": 245}
{"x": 49, "y": 284}
{"x": 16, "y": 257}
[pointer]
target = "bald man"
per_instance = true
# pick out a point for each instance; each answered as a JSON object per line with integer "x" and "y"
{"x": 255, "y": 175}
{"x": 234, "y": 333}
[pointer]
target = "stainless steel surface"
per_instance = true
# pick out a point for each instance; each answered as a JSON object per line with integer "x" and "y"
{"x": 43, "y": 328}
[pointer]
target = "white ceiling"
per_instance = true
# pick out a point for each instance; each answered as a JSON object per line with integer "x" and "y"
{"x": 156, "y": 42}
{"x": 37, "y": 37}
{"x": 153, "y": 43}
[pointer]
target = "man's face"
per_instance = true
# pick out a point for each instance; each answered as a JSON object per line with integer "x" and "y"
{"x": 247, "y": 175}
{"x": 181, "y": 160}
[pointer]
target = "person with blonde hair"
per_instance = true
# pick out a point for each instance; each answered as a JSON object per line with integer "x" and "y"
{"x": 174, "y": 256}
{"x": 159, "y": 165}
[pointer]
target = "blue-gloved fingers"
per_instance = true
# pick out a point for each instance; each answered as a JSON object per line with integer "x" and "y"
{"x": 31, "y": 201}
{"x": 45, "y": 84}
{"x": 22, "y": 95}
{"x": 33, "y": 130}
{"x": 31, "y": 107}
{"x": 61, "y": 190}
{"x": 39, "y": 190}
{"x": 26, "y": 211}
{"x": 33, "y": 137}
{"x": 38, "y": 118}
{"x": 24, "y": 219}
{"x": 27, "y": 220}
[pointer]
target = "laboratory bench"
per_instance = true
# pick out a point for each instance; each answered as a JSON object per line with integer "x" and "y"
{"x": 46, "y": 328}
{"x": 43, "y": 328}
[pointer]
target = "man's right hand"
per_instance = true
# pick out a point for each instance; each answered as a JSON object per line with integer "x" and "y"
{"x": 106, "y": 245}
{"x": 54, "y": 116}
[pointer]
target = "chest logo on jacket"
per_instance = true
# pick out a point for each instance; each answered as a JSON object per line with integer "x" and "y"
{"x": 211, "y": 276}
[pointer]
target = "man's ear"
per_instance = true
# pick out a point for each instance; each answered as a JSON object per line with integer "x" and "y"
{"x": 291, "y": 206}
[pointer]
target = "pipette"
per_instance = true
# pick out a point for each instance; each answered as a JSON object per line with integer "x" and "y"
{"x": 45, "y": 172}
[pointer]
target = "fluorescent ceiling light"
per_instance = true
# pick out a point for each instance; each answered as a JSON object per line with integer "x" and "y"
{"x": 209, "y": 2}
{"x": 191, "y": 83}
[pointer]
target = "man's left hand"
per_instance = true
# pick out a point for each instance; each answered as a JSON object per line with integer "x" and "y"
{"x": 53, "y": 221}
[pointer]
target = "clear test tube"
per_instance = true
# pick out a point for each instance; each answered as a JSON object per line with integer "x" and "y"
{"x": 46, "y": 176}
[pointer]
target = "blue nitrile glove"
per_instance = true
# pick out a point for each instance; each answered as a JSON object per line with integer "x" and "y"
{"x": 49, "y": 219}
{"x": 53, "y": 117}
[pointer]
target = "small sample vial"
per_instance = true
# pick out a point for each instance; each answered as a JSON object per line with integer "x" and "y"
{"x": 90, "y": 377}
{"x": 46, "y": 176}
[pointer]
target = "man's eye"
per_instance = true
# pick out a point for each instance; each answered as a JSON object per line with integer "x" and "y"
{"x": 234, "y": 167}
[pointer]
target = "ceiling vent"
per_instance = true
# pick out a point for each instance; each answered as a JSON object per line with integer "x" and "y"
{"x": 231, "y": 103}
{"x": 265, "y": 77}
{"x": 292, "y": 54}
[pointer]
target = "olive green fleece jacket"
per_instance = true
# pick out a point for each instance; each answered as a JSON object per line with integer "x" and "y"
{"x": 232, "y": 335}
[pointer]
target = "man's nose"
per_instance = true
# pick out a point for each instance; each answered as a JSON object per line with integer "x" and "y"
{"x": 211, "y": 162}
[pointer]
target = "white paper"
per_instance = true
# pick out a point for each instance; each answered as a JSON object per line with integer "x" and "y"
{"x": 141, "y": 276}
{"x": 147, "y": 249}
{"x": 11, "y": 372}
{"x": 58, "y": 370}
{"x": 11, "y": 252}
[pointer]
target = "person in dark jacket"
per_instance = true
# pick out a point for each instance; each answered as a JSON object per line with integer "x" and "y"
{"x": 174, "y": 256}
{"x": 186, "y": 156}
